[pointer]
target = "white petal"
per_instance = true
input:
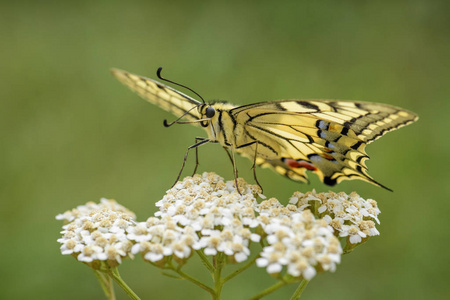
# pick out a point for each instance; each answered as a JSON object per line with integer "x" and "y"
{"x": 262, "y": 262}
{"x": 309, "y": 273}
{"x": 274, "y": 268}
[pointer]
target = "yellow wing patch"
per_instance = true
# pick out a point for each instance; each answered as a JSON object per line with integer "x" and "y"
{"x": 159, "y": 94}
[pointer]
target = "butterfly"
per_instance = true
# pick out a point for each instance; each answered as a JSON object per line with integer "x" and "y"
{"x": 292, "y": 137}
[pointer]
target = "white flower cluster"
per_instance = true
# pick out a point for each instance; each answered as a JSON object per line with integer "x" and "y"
{"x": 84, "y": 210}
{"x": 296, "y": 240}
{"x": 97, "y": 233}
{"x": 350, "y": 215}
{"x": 205, "y": 213}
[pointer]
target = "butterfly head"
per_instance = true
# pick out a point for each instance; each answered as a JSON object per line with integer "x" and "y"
{"x": 207, "y": 112}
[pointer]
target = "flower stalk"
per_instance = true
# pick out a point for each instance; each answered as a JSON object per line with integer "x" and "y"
{"x": 298, "y": 292}
{"x": 106, "y": 284}
{"x": 114, "y": 273}
{"x": 189, "y": 278}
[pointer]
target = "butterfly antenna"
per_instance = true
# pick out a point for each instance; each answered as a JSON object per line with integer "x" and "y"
{"x": 158, "y": 73}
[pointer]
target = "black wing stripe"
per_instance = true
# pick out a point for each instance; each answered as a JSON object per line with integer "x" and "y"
{"x": 261, "y": 143}
{"x": 288, "y": 140}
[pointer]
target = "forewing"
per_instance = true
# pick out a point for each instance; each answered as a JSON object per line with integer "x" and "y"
{"x": 159, "y": 94}
{"x": 327, "y": 137}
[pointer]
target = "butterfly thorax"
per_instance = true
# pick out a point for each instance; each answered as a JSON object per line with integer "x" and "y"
{"x": 220, "y": 126}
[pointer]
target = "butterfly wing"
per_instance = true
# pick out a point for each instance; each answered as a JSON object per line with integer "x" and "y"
{"x": 160, "y": 94}
{"x": 326, "y": 137}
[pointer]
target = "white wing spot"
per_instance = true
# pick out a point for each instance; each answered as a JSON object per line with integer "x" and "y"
{"x": 323, "y": 124}
{"x": 315, "y": 158}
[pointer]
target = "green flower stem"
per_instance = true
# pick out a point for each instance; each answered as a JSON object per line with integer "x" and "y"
{"x": 218, "y": 282}
{"x": 114, "y": 273}
{"x": 298, "y": 292}
{"x": 269, "y": 290}
{"x": 205, "y": 261}
{"x": 240, "y": 270}
{"x": 188, "y": 277}
{"x": 106, "y": 284}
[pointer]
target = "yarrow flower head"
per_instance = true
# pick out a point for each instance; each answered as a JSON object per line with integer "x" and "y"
{"x": 296, "y": 240}
{"x": 97, "y": 233}
{"x": 201, "y": 213}
{"x": 86, "y": 209}
{"x": 349, "y": 215}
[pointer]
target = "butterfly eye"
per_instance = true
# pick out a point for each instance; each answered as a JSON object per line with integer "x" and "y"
{"x": 210, "y": 112}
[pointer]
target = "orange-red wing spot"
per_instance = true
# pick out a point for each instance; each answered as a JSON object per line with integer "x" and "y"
{"x": 307, "y": 165}
{"x": 327, "y": 156}
{"x": 292, "y": 163}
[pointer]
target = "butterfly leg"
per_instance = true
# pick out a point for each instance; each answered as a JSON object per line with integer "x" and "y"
{"x": 197, "y": 144}
{"x": 235, "y": 172}
{"x": 196, "y": 153}
{"x": 234, "y": 163}
{"x": 231, "y": 158}
{"x": 254, "y": 167}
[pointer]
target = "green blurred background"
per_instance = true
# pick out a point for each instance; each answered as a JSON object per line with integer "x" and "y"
{"x": 70, "y": 133}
